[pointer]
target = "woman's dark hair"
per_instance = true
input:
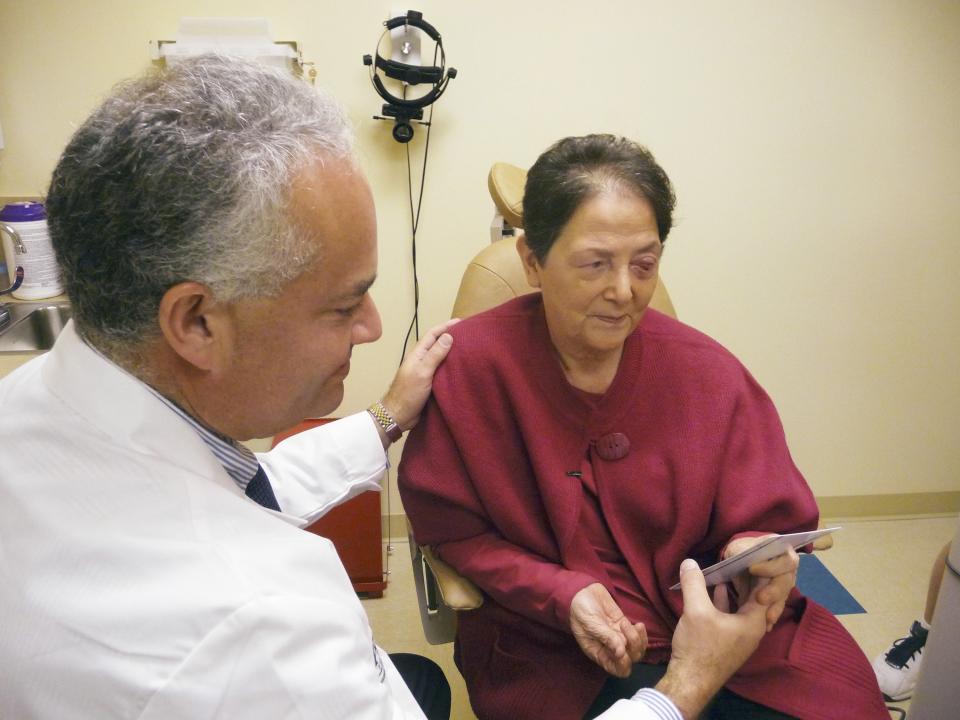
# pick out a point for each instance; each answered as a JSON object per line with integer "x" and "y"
{"x": 577, "y": 168}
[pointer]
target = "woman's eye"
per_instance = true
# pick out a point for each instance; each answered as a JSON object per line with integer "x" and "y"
{"x": 645, "y": 266}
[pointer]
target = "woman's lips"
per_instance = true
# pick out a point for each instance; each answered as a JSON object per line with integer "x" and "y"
{"x": 612, "y": 319}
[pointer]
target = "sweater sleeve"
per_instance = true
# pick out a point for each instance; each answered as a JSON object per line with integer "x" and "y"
{"x": 517, "y": 579}
{"x": 759, "y": 489}
{"x": 447, "y": 513}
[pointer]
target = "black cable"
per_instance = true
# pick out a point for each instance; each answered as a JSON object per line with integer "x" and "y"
{"x": 414, "y": 221}
{"x": 414, "y": 224}
{"x": 414, "y": 326}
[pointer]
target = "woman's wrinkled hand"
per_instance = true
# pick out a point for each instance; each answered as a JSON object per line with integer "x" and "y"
{"x": 604, "y": 633}
{"x": 772, "y": 579}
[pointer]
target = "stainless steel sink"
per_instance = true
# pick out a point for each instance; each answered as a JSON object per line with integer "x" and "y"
{"x": 31, "y": 327}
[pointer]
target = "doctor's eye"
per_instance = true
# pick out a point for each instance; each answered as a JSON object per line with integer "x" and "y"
{"x": 348, "y": 311}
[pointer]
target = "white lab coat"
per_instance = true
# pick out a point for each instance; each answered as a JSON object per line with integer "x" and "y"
{"x": 137, "y": 581}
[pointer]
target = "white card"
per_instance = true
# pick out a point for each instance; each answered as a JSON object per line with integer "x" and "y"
{"x": 766, "y": 549}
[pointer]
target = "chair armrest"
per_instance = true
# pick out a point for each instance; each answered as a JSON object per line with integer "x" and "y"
{"x": 456, "y": 591}
{"x": 825, "y": 542}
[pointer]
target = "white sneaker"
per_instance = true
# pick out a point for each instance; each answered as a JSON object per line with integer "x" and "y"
{"x": 898, "y": 668}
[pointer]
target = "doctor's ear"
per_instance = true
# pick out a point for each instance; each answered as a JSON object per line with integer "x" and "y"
{"x": 531, "y": 266}
{"x": 192, "y": 324}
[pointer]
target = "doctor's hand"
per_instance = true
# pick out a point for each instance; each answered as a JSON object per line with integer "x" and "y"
{"x": 710, "y": 643}
{"x": 773, "y": 579}
{"x": 411, "y": 386}
{"x": 604, "y": 633}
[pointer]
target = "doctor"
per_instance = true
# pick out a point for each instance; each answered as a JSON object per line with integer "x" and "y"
{"x": 218, "y": 243}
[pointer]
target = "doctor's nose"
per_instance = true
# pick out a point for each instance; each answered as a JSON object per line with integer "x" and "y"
{"x": 368, "y": 326}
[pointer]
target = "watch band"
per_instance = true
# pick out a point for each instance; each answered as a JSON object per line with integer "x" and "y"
{"x": 385, "y": 420}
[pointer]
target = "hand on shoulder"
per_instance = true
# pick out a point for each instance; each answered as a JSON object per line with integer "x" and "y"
{"x": 411, "y": 386}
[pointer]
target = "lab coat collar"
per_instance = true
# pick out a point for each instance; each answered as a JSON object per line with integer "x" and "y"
{"x": 122, "y": 407}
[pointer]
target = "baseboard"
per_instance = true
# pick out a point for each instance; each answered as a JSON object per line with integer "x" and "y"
{"x": 832, "y": 507}
{"x": 395, "y": 527}
{"x": 888, "y": 507}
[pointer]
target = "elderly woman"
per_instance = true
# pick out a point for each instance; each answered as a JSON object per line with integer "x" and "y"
{"x": 579, "y": 446}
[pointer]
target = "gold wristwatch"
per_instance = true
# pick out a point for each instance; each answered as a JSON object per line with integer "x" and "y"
{"x": 385, "y": 420}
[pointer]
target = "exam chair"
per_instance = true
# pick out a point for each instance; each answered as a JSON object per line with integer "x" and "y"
{"x": 494, "y": 275}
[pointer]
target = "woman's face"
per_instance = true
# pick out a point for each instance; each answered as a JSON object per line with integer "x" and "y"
{"x": 599, "y": 276}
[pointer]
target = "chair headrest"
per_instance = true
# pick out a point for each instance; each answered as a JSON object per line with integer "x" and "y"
{"x": 506, "y": 183}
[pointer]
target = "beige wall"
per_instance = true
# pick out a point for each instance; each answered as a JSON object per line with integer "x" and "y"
{"x": 814, "y": 147}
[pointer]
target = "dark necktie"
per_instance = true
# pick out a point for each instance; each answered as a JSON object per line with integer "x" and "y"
{"x": 259, "y": 490}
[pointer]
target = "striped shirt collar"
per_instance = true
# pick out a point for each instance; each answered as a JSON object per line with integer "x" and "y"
{"x": 237, "y": 459}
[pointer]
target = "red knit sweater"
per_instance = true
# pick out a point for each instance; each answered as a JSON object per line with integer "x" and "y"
{"x": 486, "y": 479}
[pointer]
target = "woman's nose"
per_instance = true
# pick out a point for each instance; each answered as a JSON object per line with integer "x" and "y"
{"x": 368, "y": 327}
{"x": 621, "y": 285}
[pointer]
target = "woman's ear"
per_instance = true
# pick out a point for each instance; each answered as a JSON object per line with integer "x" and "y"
{"x": 531, "y": 266}
{"x": 193, "y": 325}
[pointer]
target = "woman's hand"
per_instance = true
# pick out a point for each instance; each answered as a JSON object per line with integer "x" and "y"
{"x": 604, "y": 633}
{"x": 772, "y": 579}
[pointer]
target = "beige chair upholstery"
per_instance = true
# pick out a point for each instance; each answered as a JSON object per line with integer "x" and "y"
{"x": 506, "y": 183}
{"x": 441, "y": 593}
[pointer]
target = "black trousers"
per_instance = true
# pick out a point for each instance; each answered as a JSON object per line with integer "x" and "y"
{"x": 427, "y": 684}
{"x": 725, "y": 705}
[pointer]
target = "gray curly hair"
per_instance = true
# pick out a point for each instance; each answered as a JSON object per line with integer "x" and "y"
{"x": 185, "y": 174}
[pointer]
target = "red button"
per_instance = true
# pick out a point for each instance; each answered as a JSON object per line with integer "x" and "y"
{"x": 613, "y": 446}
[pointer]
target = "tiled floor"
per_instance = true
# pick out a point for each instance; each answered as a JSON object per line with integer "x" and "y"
{"x": 885, "y": 564}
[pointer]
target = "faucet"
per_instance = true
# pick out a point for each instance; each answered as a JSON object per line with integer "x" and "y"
{"x": 18, "y": 278}
{"x": 17, "y": 240}
{"x": 17, "y": 282}
{"x": 4, "y": 312}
